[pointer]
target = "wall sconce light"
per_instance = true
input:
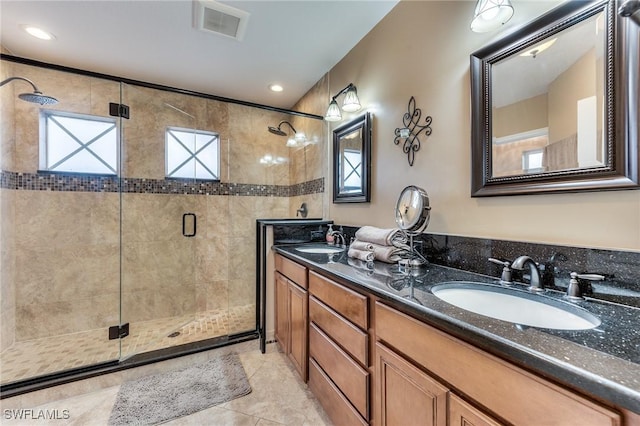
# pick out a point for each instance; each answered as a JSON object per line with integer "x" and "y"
{"x": 490, "y": 15}
{"x": 351, "y": 103}
{"x": 411, "y": 129}
{"x": 298, "y": 139}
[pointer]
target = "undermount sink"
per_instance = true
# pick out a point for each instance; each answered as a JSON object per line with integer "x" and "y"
{"x": 516, "y": 306}
{"x": 320, "y": 249}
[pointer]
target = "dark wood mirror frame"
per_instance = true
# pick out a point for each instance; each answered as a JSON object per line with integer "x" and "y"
{"x": 364, "y": 196}
{"x": 622, "y": 111}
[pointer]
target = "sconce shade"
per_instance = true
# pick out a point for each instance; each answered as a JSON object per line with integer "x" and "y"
{"x": 333, "y": 112}
{"x": 351, "y": 102}
{"x": 490, "y": 15}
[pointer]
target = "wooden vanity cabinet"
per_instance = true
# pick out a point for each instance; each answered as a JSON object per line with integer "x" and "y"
{"x": 339, "y": 350}
{"x": 368, "y": 362}
{"x": 515, "y": 395}
{"x": 407, "y": 395}
{"x": 292, "y": 312}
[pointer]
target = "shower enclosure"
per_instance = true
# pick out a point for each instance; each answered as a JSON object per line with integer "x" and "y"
{"x": 127, "y": 219}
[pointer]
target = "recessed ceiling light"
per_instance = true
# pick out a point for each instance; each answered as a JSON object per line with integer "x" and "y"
{"x": 38, "y": 32}
{"x": 276, "y": 88}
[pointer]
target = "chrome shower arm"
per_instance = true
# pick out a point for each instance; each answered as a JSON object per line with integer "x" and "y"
{"x": 35, "y": 89}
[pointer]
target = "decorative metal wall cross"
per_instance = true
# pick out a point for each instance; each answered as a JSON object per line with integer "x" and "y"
{"x": 411, "y": 130}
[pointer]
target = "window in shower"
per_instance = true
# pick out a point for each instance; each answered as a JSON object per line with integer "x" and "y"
{"x": 78, "y": 143}
{"x": 192, "y": 154}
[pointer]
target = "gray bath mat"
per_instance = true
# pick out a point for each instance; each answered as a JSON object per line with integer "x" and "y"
{"x": 160, "y": 397}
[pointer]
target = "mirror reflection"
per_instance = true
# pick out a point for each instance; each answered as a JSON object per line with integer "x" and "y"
{"x": 548, "y": 107}
{"x": 351, "y": 158}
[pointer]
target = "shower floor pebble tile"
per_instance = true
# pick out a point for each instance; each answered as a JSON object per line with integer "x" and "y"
{"x": 33, "y": 358}
{"x": 278, "y": 397}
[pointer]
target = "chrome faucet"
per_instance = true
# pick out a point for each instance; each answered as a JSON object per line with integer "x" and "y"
{"x": 337, "y": 236}
{"x": 302, "y": 210}
{"x": 535, "y": 283}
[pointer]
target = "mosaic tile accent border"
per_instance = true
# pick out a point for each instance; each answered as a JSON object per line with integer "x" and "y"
{"x": 42, "y": 181}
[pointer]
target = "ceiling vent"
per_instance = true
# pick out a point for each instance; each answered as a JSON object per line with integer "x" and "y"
{"x": 219, "y": 18}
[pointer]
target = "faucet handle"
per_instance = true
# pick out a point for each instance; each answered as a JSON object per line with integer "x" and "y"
{"x": 505, "y": 278}
{"x": 574, "y": 290}
{"x": 590, "y": 277}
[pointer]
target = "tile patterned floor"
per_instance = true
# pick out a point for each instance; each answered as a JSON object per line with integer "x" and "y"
{"x": 43, "y": 356}
{"x": 278, "y": 397}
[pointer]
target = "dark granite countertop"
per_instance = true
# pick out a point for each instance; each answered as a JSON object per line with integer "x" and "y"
{"x": 603, "y": 361}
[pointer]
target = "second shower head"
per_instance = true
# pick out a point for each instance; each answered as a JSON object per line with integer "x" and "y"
{"x": 278, "y": 131}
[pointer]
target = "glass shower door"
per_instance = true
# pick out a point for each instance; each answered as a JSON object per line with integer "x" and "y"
{"x": 159, "y": 221}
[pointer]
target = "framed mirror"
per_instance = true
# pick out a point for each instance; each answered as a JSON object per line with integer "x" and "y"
{"x": 352, "y": 161}
{"x": 555, "y": 104}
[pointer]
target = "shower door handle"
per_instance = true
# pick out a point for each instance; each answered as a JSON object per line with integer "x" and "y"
{"x": 184, "y": 225}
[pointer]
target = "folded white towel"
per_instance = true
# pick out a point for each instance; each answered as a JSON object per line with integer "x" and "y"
{"x": 361, "y": 245}
{"x": 366, "y": 256}
{"x": 388, "y": 254}
{"x": 383, "y": 237}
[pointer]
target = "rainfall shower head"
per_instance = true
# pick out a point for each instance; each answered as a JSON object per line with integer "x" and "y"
{"x": 278, "y": 131}
{"x": 36, "y": 97}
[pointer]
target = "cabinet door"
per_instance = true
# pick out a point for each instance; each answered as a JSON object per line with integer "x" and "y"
{"x": 282, "y": 312}
{"x": 407, "y": 395}
{"x": 299, "y": 311}
{"x": 463, "y": 414}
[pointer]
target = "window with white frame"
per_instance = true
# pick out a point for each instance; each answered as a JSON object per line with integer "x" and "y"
{"x": 352, "y": 169}
{"x": 78, "y": 143}
{"x": 532, "y": 161}
{"x": 193, "y": 154}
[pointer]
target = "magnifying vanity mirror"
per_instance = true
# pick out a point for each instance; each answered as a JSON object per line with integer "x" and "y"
{"x": 555, "y": 104}
{"x": 412, "y": 217}
{"x": 352, "y": 161}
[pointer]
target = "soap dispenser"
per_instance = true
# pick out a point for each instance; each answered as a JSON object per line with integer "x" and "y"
{"x": 330, "y": 237}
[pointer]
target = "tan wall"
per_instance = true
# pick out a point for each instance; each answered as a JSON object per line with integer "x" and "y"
{"x": 422, "y": 49}
{"x": 67, "y": 244}
{"x": 577, "y": 82}
{"x": 528, "y": 114}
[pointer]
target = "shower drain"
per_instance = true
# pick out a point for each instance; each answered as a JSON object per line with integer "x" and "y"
{"x": 174, "y": 334}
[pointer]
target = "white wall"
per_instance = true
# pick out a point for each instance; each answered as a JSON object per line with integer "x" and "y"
{"x": 422, "y": 49}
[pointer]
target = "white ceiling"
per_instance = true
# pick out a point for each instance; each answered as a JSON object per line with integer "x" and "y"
{"x": 293, "y": 43}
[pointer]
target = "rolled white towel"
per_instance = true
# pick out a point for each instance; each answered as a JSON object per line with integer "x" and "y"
{"x": 366, "y": 256}
{"x": 361, "y": 245}
{"x": 383, "y": 237}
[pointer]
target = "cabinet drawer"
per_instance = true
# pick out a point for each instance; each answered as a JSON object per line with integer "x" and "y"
{"x": 334, "y": 403}
{"x": 516, "y": 395}
{"x": 351, "y": 305}
{"x": 293, "y": 271}
{"x": 348, "y": 375}
{"x": 345, "y": 334}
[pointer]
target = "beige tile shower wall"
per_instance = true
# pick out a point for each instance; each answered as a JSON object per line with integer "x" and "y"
{"x": 158, "y": 269}
{"x": 7, "y": 260}
{"x": 7, "y": 151}
{"x": 250, "y": 141}
{"x": 66, "y": 262}
{"x": 310, "y": 162}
